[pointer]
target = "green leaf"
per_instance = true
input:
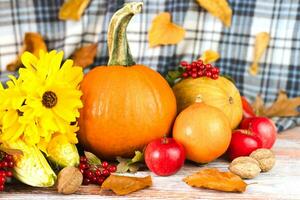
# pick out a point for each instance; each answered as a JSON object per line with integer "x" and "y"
{"x": 131, "y": 165}
{"x": 92, "y": 159}
{"x": 174, "y": 75}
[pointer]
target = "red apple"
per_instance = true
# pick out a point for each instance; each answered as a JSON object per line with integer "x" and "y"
{"x": 247, "y": 109}
{"x": 263, "y": 128}
{"x": 164, "y": 156}
{"x": 242, "y": 143}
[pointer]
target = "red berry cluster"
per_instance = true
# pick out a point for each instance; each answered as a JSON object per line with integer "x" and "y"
{"x": 95, "y": 174}
{"x": 6, "y": 164}
{"x": 199, "y": 69}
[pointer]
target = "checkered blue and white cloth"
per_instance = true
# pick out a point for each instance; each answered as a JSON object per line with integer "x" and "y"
{"x": 280, "y": 65}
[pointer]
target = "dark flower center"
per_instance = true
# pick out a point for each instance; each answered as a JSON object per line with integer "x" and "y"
{"x": 49, "y": 99}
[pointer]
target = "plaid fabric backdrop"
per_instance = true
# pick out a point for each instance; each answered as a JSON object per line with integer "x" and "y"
{"x": 280, "y": 65}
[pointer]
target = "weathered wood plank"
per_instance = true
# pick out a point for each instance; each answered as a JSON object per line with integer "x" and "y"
{"x": 282, "y": 182}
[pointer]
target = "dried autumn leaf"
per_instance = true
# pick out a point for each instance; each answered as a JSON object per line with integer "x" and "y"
{"x": 261, "y": 43}
{"x": 72, "y": 9}
{"x": 85, "y": 55}
{"x": 219, "y": 9}
{"x": 122, "y": 185}
{"x": 163, "y": 31}
{"x": 210, "y": 56}
{"x": 92, "y": 158}
{"x": 33, "y": 42}
{"x": 212, "y": 178}
{"x": 282, "y": 107}
{"x": 13, "y": 152}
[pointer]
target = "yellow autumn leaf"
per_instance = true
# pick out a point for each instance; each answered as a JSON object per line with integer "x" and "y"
{"x": 261, "y": 43}
{"x": 209, "y": 56}
{"x": 85, "y": 55}
{"x": 218, "y": 8}
{"x": 33, "y": 43}
{"x": 164, "y": 32}
{"x": 72, "y": 9}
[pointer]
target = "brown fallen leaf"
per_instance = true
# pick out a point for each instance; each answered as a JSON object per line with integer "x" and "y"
{"x": 212, "y": 178}
{"x": 85, "y": 55}
{"x": 163, "y": 31}
{"x": 261, "y": 43}
{"x": 282, "y": 107}
{"x": 218, "y": 8}
{"x": 33, "y": 42}
{"x": 122, "y": 185}
{"x": 13, "y": 152}
{"x": 72, "y": 9}
{"x": 210, "y": 56}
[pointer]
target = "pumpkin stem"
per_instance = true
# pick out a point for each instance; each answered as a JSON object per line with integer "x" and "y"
{"x": 119, "y": 52}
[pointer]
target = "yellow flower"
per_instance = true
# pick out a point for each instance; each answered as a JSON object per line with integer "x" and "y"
{"x": 53, "y": 95}
{"x": 11, "y": 102}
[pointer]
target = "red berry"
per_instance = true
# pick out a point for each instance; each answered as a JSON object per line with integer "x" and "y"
{"x": 188, "y": 67}
{"x": 185, "y": 75}
{"x": 112, "y": 168}
{"x": 194, "y": 75}
{"x": 2, "y": 180}
{"x": 200, "y": 73}
{"x": 94, "y": 179}
{"x": 88, "y": 174}
{"x": 194, "y": 69}
{"x": 215, "y": 76}
{"x": 208, "y": 66}
{"x": 200, "y": 62}
{"x": 8, "y": 157}
{"x": 208, "y": 74}
{"x": 214, "y": 70}
{"x": 10, "y": 164}
{"x": 83, "y": 166}
{"x": 8, "y": 174}
{"x": 83, "y": 159}
{"x": 98, "y": 172}
{"x": 105, "y": 173}
{"x": 104, "y": 164}
{"x": 202, "y": 66}
{"x": 100, "y": 180}
{"x": 1, "y": 187}
{"x": 2, "y": 173}
{"x": 184, "y": 63}
{"x": 86, "y": 181}
{"x": 194, "y": 64}
{"x": 4, "y": 164}
{"x": 190, "y": 73}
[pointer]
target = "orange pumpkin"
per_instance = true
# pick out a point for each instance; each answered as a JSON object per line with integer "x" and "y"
{"x": 204, "y": 131}
{"x": 220, "y": 93}
{"x": 125, "y": 105}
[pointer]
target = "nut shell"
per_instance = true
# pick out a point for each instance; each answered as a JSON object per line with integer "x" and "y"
{"x": 245, "y": 167}
{"x": 265, "y": 158}
{"x": 69, "y": 180}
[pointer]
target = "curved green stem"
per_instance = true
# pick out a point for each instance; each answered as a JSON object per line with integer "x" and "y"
{"x": 119, "y": 52}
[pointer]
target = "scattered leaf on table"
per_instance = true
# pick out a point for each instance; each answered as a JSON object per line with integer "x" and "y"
{"x": 282, "y": 107}
{"x": 92, "y": 158}
{"x": 212, "y": 178}
{"x": 85, "y": 55}
{"x": 72, "y": 9}
{"x": 218, "y": 8}
{"x": 33, "y": 42}
{"x": 131, "y": 165}
{"x": 163, "y": 31}
{"x": 12, "y": 152}
{"x": 261, "y": 43}
{"x": 122, "y": 185}
{"x": 209, "y": 56}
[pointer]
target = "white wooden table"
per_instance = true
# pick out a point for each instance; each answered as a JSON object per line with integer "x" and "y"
{"x": 282, "y": 182}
